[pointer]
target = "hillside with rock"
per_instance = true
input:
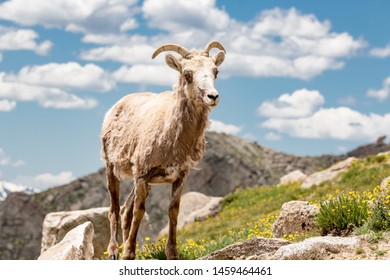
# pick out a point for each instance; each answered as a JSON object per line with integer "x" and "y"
{"x": 229, "y": 163}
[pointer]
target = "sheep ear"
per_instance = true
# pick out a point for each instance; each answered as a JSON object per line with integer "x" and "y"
{"x": 173, "y": 62}
{"x": 219, "y": 58}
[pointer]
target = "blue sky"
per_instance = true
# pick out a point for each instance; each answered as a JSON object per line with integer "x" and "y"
{"x": 302, "y": 77}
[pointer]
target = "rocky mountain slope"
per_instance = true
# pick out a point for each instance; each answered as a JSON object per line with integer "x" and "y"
{"x": 229, "y": 163}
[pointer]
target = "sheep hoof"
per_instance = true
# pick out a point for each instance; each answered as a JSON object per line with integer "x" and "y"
{"x": 113, "y": 257}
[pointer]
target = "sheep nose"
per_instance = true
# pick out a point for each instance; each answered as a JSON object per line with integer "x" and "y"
{"x": 213, "y": 96}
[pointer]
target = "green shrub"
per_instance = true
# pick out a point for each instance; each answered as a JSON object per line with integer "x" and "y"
{"x": 380, "y": 214}
{"x": 341, "y": 213}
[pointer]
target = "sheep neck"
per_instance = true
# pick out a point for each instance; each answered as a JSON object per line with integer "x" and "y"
{"x": 189, "y": 120}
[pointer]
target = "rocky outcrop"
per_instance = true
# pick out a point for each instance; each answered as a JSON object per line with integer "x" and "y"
{"x": 316, "y": 248}
{"x": 76, "y": 245}
{"x": 296, "y": 217}
{"x": 385, "y": 183}
{"x": 57, "y": 224}
{"x": 255, "y": 248}
{"x": 293, "y": 176}
{"x": 328, "y": 174}
{"x": 194, "y": 206}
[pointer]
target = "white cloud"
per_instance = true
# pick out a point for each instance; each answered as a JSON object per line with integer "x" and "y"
{"x": 66, "y": 75}
{"x": 381, "y": 52}
{"x": 380, "y": 94}
{"x": 146, "y": 74}
{"x": 347, "y": 101}
{"x": 333, "y": 123}
{"x": 50, "y": 180}
{"x": 22, "y": 39}
{"x": 173, "y": 15}
{"x": 45, "y": 180}
{"x": 88, "y": 16}
{"x": 46, "y": 97}
{"x": 300, "y": 103}
{"x": 126, "y": 54}
{"x": 341, "y": 123}
{"x": 6, "y": 105}
{"x": 276, "y": 43}
{"x": 218, "y": 126}
{"x": 6, "y": 160}
{"x": 272, "y": 136}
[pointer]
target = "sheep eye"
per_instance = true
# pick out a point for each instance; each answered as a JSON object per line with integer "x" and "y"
{"x": 188, "y": 75}
{"x": 215, "y": 72}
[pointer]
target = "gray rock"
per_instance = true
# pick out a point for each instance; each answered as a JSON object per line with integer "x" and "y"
{"x": 255, "y": 248}
{"x": 194, "y": 206}
{"x": 385, "y": 183}
{"x": 316, "y": 248}
{"x": 294, "y": 176}
{"x": 328, "y": 174}
{"x": 57, "y": 224}
{"x": 76, "y": 245}
{"x": 296, "y": 217}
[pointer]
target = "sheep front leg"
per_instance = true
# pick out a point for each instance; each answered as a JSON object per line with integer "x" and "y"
{"x": 141, "y": 191}
{"x": 177, "y": 188}
{"x": 113, "y": 186}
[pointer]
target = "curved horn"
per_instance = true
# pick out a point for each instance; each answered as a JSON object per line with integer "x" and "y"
{"x": 171, "y": 47}
{"x": 211, "y": 45}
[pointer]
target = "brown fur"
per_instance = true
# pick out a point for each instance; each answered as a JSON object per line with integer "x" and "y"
{"x": 155, "y": 138}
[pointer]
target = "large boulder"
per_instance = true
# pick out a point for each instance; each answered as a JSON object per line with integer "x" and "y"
{"x": 295, "y": 217}
{"x": 57, "y": 224}
{"x": 255, "y": 248}
{"x": 316, "y": 248}
{"x": 328, "y": 174}
{"x": 194, "y": 206}
{"x": 293, "y": 176}
{"x": 76, "y": 245}
{"x": 385, "y": 183}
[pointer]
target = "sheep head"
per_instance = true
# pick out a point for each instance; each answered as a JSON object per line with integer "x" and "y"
{"x": 198, "y": 70}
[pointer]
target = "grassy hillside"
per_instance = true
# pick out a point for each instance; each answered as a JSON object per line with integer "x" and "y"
{"x": 250, "y": 211}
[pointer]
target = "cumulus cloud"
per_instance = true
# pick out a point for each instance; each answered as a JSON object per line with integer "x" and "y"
{"x": 46, "y": 97}
{"x": 125, "y": 54}
{"x": 381, "y": 52}
{"x": 381, "y": 94}
{"x": 276, "y": 43}
{"x": 12, "y": 39}
{"x": 300, "y": 103}
{"x": 218, "y": 126}
{"x": 66, "y": 75}
{"x": 7, "y": 105}
{"x": 272, "y": 136}
{"x": 46, "y": 180}
{"x": 316, "y": 122}
{"x": 146, "y": 74}
{"x": 172, "y": 15}
{"x": 6, "y": 160}
{"x": 333, "y": 123}
{"x": 95, "y": 16}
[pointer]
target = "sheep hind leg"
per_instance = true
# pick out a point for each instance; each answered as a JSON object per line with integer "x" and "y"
{"x": 113, "y": 186}
{"x": 141, "y": 192}
{"x": 177, "y": 189}
{"x": 127, "y": 215}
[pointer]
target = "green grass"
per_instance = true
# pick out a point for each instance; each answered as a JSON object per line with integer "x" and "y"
{"x": 250, "y": 212}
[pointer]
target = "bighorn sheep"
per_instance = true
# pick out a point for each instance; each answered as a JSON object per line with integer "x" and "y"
{"x": 158, "y": 138}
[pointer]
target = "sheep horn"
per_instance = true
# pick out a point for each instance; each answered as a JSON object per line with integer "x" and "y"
{"x": 213, "y": 44}
{"x": 172, "y": 47}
